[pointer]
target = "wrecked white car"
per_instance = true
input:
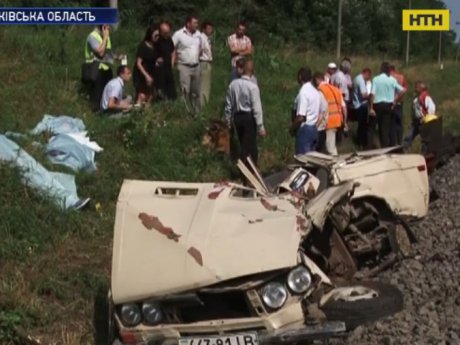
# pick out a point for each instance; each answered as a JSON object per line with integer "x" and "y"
{"x": 370, "y": 230}
{"x": 385, "y": 178}
{"x": 222, "y": 264}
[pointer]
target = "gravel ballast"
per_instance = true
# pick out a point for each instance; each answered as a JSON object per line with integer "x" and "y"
{"x": 429, "y": 278}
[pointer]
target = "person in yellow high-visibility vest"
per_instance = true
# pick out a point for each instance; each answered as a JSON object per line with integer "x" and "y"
{"x": 99, "y": 48}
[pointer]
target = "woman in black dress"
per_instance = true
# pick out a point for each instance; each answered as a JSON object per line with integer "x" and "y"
{"x": 144, "y": 66}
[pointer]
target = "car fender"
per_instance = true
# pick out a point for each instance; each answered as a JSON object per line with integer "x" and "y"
{"x": 401, "y": 180}
{"x": 314, "y": 269}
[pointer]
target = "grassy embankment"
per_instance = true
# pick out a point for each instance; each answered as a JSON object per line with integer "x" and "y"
{"x": 54, "y": 264}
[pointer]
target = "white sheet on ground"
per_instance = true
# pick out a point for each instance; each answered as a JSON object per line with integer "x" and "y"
{"x": 70, "y": 145}
{"x": 58, "y": 186}
{"x": 58, "y": 125}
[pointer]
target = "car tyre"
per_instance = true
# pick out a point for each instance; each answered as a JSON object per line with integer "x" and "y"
{"x": 400, "y": 240}
{"x": 388, "y": 302}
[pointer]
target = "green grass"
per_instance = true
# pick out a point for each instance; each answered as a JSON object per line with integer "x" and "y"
{"x": 54, "y": 264}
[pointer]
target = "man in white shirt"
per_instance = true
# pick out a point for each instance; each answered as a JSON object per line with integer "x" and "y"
{"x": 240, "y": 46}
{"x": 113, "y": 100}
{"x": 187, "y": 42}
{"x": 321, "y": 125}
{"x": 243, "y": 111}
{"x": 307, "y": 109}
{"x": 205, "y": 62}
{"x": 331, "y": 69}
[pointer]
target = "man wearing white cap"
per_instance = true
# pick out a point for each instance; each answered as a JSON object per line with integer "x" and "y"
{"x": 340, "y": 80}
{"x": 331, "y": 69}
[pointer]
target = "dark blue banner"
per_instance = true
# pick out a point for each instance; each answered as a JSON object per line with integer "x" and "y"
{"x": 62, "y": 16}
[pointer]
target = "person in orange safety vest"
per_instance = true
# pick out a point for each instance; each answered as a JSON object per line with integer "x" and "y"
{"x": 336, "y": 117}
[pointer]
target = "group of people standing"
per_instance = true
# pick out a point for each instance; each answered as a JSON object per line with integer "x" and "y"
{"x": 188, "y": 49}
{"x": 324, "y": 106}
{"x": 326, "y": 103}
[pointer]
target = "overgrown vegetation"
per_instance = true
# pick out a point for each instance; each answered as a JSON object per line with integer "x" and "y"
{"x": 369, "y": 26}
{"x": 54, "y": 264}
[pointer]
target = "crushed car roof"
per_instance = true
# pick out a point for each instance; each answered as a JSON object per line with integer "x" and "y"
{"x": 322, "y": 159}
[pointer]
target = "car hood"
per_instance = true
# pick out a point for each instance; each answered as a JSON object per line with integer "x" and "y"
{"x": 171, "y": 237}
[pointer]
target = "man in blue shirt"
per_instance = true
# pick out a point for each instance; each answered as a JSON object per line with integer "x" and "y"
{"x": 366, "y": 124}
{"x": 382, "y": 101}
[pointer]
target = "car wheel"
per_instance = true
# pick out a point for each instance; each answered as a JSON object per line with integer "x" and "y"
{"x": 400, "y": 240}
{"x": 388, "y": 301}
{"x": 111, "y": 331}
{"x": 374, "y": 220}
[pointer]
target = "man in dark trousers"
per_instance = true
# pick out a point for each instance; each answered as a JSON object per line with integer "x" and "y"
{"x": 366, "y": 123}
{"x": 382, "y": 103}
{"x": 422, "y": 107}
{"x": 398, "y": 107}
{"x": 243, "y": 111}
{"x": 98, "y": 48}
{"x": 164, "y": 77}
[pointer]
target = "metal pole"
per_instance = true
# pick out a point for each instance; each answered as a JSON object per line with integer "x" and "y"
{"x": 339, "y": 29}
{"x": 440, "y": 48}
{"x": 114, "y": 4}
{"x": 456, "y": 56}
{"x": 458, "y": 45}
{"x": 408, "y": 39}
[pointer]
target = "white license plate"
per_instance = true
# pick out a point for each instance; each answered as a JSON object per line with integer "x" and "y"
{"x": 230, "y": 339}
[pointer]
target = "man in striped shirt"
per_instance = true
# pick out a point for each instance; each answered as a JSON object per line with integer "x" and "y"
{"x": 240, "y": 46}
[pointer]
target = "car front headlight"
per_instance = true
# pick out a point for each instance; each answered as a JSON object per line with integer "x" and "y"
{"x": 152, "y": 313}
{"x": 274, "y": 295}
{"x": 130, "y": 314}
{"x": 299, "y": 280}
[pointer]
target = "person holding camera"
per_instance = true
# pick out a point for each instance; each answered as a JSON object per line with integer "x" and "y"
{"x": 99, "y": 58}
{"x": 98, "y": 61}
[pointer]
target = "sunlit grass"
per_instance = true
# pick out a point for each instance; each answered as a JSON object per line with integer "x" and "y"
{"x": 53, "y": 263}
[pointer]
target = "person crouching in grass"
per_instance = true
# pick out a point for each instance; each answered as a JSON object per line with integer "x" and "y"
{"x": 113, "y": 98}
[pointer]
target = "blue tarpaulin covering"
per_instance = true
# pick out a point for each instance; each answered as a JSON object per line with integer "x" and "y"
{"x": 58, "y": 125}
{"x": 60, "y": 187}
{"x": 64, "y": 149}
{"x": 69, "y": 145}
